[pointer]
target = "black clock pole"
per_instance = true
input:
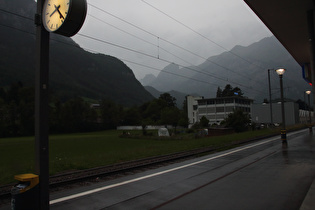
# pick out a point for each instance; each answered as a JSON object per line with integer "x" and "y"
{"x": 41, "y": 109}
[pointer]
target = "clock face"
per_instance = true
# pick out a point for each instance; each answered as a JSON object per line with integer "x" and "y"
{"x": 54, "y": 14}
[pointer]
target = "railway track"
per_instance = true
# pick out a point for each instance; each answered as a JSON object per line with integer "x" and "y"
{"x": 57, "y": 182}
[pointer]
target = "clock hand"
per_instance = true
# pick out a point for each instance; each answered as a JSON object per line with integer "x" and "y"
{"x": 60, "y": 15}
{"x": 56, "y": 9}
{"x": 53, "y": 11}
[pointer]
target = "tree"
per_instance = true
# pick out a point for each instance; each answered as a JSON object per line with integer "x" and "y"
{"x": 219, "y": 92}
{"x": 204, "y": 122}
{"x": 26, "y": 108}
{"x": 170, "y": 116}
{"x": 111, "y": 114}
{"x": 167, "y": 100}
{"x": 152, "y": 111}
{"x": 76, "y": 115}
{"x": 17, "y": 110}
{"x": 132, "y": 116}
{"x": 229, "y": 91}
{"x": 237, "y": 91}
{"x": 183, "y": 119}
{"x": 237, "y": 120}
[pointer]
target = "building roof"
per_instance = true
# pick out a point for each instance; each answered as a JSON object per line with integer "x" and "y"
{"x": 229, "y": 97}
{"x": 287, "y": 20}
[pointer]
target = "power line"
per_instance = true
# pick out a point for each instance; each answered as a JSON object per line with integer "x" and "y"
{"x": 159, "y": 38}
{"x": 125, "y": 48}
{"x": 172, "y": 73}
{"x": 151, "y": 56}
{"x": 154, "y": 56}
{"x": 203, "y": 36}
{"x": 120, "y": 58}
{"x": 193, "y": 79}
{"x": 18, "y": 15}
{"x": 20, "y": 30}
{"x": 167, "y": 72}
{"x": 158, "y": 57}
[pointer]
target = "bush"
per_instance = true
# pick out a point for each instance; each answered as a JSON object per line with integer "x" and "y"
{"x": 238, "y": 120}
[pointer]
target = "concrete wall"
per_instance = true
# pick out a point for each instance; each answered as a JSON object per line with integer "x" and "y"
{"x": 261, "y": 113}
{"x": 192, "y": 113}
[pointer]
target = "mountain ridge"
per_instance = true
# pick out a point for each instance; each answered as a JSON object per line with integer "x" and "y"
{"x": 74, "y": 72}
{"x": 243, "y": 67}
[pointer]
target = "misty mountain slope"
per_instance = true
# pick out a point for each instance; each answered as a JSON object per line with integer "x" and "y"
{"x": 244, "y": 67}
{"x": 168, "y": 78}
{"x": 73, "y": 71}
{"x": 180, "y": 97}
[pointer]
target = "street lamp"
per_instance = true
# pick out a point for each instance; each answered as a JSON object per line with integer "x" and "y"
{"x": 280, "y": 72}
{"x": 308, "y": 92}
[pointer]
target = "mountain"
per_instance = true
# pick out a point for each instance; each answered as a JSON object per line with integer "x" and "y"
{"x": 243, "y": 67}
{"x": 73, "y": 71}
{"x": 147, "y": 79}
{"x": 180, "y": 97}
{"x": 168, "y": 78}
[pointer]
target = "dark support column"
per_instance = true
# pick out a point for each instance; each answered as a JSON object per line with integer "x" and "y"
{"x": 311, "y": 38}
{"x": 41, "y": 109}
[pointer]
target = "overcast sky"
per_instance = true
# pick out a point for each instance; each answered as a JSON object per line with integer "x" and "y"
{"x": 152, "y": 29}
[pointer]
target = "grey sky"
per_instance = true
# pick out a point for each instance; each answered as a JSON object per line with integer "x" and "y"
{"x": 223, "y": 22}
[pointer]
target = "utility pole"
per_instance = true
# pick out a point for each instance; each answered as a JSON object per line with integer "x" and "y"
{"x": 41, "y": 108}
{"x": 271, "y": 120}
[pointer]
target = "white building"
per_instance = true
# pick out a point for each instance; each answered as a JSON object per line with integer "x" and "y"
{"x": 215, "y": 109}
{"x": 192, "y": 108}
{"x": 261, "y": 113}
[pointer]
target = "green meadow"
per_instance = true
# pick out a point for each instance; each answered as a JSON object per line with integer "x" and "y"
{"x": 87, "y": 150}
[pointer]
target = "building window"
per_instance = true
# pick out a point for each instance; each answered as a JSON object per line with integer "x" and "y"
{"x": 219, "y": 109}
{"x": 210, "y": 102}
{"x": 229, "y": 109}
{"x": 220, "y": 101}
{"x": 201, "y": 102}
{"x": 211, "y": 109}
{"x": 202, "y": 110}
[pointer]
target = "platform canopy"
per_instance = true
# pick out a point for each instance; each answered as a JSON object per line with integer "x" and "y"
{"x": 287, "y": 20}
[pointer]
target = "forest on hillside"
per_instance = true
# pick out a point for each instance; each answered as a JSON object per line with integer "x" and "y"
{"x": 78, "y": 115}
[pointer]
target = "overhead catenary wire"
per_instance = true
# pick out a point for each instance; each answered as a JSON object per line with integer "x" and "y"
{"x": 18, "y": 15}
{"x": 167, "y": 41}
{"x": 171, "y": 73}
{"x": 163, "y": 49}
{"x": 152, "y": 56}
{"x": 133, "y": 62}
{"x": 201, "y": 35}
{"x": 31, "y": 33}
{"x": 145, "y": 54}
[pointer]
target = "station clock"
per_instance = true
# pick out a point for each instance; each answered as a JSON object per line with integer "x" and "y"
{"x": 64, "y": 17}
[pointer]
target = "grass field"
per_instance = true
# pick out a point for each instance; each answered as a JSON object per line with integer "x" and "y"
{"x": 87, "y": 150}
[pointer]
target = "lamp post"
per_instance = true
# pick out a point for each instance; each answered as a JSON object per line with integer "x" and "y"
{"x": 308, "y": 92}
{"x": 270, "y": 103}
{"x": 280, "y": 72}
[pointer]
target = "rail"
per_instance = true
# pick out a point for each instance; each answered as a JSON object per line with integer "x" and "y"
{"x": 65, "y": 179}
